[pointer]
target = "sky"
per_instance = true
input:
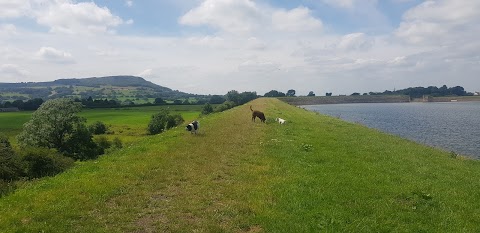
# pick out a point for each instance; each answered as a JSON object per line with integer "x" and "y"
{"x": 214, "y": 46}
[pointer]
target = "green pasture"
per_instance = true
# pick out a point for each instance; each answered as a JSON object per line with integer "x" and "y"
{"x": 313, "y": 174}
{"x": 11, "y": 123}
{"x": 129, "y": 124}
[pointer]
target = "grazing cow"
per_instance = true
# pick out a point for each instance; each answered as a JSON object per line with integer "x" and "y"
{"x": 193, "y": 127}
{"x": 258, "y": 114}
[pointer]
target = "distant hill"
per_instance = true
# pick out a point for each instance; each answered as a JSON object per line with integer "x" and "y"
{"x": 122, "y": 88}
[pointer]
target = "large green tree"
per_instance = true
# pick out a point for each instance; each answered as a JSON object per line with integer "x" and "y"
{"x": 56, "y": 125}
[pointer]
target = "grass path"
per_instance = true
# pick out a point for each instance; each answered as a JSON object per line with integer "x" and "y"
{"x": 314, "y": 174}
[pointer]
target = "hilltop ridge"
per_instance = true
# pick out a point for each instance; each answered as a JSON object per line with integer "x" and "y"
{"x": 111, "y": 87}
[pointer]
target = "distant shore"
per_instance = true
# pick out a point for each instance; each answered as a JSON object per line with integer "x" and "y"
{"x": 314, "y": 100}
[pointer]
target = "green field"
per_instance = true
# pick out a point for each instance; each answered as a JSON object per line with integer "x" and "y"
{"x": 313, "y": 174}
{"x": 129, "y": 124}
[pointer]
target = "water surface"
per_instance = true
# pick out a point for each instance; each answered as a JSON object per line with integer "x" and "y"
{"x": 453, "y": 126}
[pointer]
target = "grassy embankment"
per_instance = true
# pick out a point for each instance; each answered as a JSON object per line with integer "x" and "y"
{"x": 316, "y": 173}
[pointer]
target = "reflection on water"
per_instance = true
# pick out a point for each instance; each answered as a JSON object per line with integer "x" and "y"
{"x": 451, "y": 126}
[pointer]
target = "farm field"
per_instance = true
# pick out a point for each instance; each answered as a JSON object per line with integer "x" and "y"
{"x": 313, "y": 174}
{"x": 129, "y": 124}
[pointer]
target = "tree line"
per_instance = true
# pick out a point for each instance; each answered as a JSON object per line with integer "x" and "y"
{"x": 29, "y": 105}
{"x": 418, "y": 92}
{"x": 413, "y": 92}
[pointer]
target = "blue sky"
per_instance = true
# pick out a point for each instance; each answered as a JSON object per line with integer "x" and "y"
{"x": 213, "y": 46}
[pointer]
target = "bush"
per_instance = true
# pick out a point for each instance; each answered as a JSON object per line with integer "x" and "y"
{"x": 158, "y": 122}
{"x": 174, "y": 120}
{"x": 98, "y": 128}
{"x": 6, "y": 187}
{"x": 10, "y": 164}
{"x": 162, "y": 121}
{"x": 103, "y": 144}
{"x": 207, "y": 109}
{"x": 225, "y": 106}
{"x": 80, "y": 146}
{"x": 42, "y": 162}
{"x": 117, "y": 143}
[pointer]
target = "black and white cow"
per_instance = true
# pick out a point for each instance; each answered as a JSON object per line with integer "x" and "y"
{"x": 193, "y": 127}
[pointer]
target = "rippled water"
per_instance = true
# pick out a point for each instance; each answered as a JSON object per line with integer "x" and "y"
{"x": 451, "y": 126}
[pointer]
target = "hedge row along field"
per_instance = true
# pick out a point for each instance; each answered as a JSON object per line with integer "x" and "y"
{"x": 313, "y": 174}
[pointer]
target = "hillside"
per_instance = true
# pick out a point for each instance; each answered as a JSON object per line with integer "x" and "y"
{"x": 313, "y": 174}
{"x": 112, "y": 87}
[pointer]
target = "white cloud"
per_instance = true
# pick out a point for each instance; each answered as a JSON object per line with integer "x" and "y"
{"x": 13, "y": 72}
{"x": 247, "y": 17}
{"x": 53, "y": 55}
{"x": 129, "y": 3}
{"x": 441, "y": 22}
{"x": 298, "y": 19}
{"x": 64, "y": 16}
{"x": 8, "y": 29}
{"x": 341, "y": 3}
{"x": 253, "y": 66}
{"x": 145, "y": 73}
{"x": 355, "y": 41}
{"x": 77, "y": 18}
{"x": 235, "y": 16}
{"x": 13, "y": 8}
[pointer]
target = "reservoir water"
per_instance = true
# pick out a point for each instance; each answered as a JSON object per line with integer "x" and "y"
{"x": 453, "y": 126}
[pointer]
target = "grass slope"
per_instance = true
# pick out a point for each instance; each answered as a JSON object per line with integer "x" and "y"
{"x": 314, "y": 174}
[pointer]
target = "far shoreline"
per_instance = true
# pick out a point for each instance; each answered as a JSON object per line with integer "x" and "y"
{"x": 318, "y": 100}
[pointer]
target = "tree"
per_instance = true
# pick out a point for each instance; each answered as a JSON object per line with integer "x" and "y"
{"x": 10, "y": 165}
{"x": 33, "y": 104}
{"x": 56, "y": 125}
{"x": 233, "y": 96}
{"x": 443, "y": 90}
{"x": 247, "y": 96}
{"x": 97, "y": 127}
{"x": 7, "y": 104}
{"x": 274, "y": 93}
{"x": 291, "y": 93}
{"x": 355, "y": 94}
{"x": 216, "y": 99}
{"x": 159, "y": 101}
{"x": 207, "y": 109}
{"x": 328, "y": 94}
{"x": 18, "y": 103}
{"x": 311, "y": 93}
{"x": 458, "y": 90}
